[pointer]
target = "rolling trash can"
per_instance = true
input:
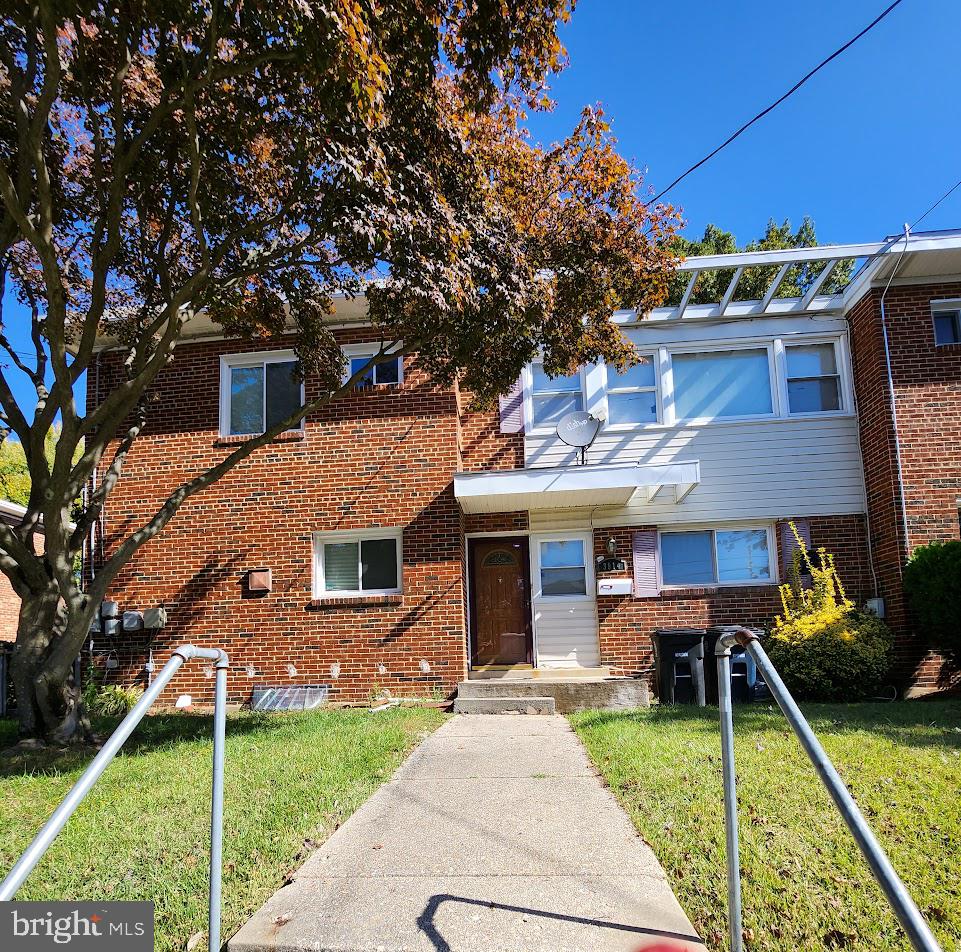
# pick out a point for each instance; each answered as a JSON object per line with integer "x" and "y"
{"x": 676, "y": 670}
{"x": 746, "y": 683}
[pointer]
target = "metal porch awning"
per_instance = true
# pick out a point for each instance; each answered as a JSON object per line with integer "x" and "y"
{"x": 567, "y": 487}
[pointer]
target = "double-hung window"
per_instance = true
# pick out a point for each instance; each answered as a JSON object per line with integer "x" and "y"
{"x": 365, "y": 562}
{"x": 563, "y": 567}
{"x": 257, "y": 391}
{"x": 813, "y": 378}
{"x": 947, "y": 322}
{"x": 553, "y": 398}
{"x": 715, "y": 384}
{"x": 716, "y": 557}
{"x": 632, "y": 393}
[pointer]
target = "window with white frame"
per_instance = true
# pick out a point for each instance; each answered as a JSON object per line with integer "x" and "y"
{"x": 947, "y": 322}
{"x": 257, "y": 391}
{"x": 632, "y": 393}
{"x": 365, "y": 562}
{"x": 554, "y": 397}
{"x": 714, "y": 384}
{"x": 563, "y": 567}
{"x": 716, "y": 556}
{"x": 358, "y": 356}
{"x": 813, "y": 378}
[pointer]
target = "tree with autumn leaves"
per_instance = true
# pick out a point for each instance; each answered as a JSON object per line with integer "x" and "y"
{"x": 248, "y": 163}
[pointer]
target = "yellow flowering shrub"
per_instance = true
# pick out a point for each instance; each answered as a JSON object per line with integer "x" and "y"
{"x": 824, "y": 647}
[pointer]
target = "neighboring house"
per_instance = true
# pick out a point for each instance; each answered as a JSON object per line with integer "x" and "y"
{"x": 12, "y": 514}
{"x": 410, "y": 539}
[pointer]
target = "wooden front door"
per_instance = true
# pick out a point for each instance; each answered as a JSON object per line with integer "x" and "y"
{"x": 500, "y": 601}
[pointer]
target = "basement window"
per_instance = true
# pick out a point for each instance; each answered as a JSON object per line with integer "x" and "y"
{"x": 365, "y": 562}
{"x": 947, "y": 326}
{"x": 257, "y": 391}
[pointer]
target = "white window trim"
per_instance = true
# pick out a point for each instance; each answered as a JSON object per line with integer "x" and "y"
{"x": 536, "y": 583}
{"x": 945, "y": 304}
{"x": 528, "y": 377}
{"x": 739, "y": 527}
{"x": 254, "y": 359}
{"x": 320, "y": 539}
{"x": 777, "y": 368}
{"x": 351, "y": 351}
{"x": 843, "y": 375}
{"x": 655, "y": 358}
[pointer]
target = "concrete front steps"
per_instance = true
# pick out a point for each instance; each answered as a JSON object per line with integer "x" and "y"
{"x": 551, "y": 692}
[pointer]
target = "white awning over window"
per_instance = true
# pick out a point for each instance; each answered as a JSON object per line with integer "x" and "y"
{"x": 564, "y": 487}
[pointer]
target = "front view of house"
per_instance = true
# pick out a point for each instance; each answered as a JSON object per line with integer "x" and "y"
{"x": 399, "y": 540}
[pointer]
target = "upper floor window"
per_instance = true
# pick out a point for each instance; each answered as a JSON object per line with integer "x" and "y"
{"x": 389, "y": 371}
{"x": 632, "y": 393}
{"x": 257, "y": 391}
{"x": 553, "y": 398}
{"x": 363, "y": 562}
{"x": 716, "y": 557}
{"x": 947, "y": 325}
{"x": 722, "y": 383}
{"x": 813, "y": 380}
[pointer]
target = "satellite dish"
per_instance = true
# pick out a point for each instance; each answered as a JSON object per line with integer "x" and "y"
{"x": 578, "y": 429}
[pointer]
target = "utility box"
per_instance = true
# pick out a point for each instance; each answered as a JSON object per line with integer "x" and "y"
{"x": 155, "y": 617}
{"x": 615, "y": 586}
{"x": 132, "y": 621}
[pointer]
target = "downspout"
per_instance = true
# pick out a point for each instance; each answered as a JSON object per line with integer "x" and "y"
{"x": 892, "y": 400}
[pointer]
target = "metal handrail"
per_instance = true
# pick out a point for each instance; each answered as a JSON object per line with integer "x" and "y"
{"x": 58, "y": 819}
{"x": 913, "y": 923}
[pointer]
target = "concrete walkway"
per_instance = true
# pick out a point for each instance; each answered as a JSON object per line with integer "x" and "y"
{"x": 494, "y": 836}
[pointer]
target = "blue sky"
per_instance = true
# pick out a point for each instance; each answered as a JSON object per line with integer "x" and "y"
{"x": 869, "y": 143}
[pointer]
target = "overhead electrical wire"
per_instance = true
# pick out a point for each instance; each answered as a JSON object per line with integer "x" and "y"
{"x": 747, "y": 125}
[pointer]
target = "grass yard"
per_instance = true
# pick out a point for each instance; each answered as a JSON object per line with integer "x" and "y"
{"x": 804, "y": 883}
{"x": 143, "y": 831}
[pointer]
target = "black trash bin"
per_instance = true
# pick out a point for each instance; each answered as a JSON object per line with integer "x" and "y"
{"x": 673, "y": 668}
{"x": 746, "y": 681}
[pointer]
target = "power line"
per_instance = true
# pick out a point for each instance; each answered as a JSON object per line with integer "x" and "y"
{"x": 935, "y": 205}
{"x": 776, "y": 103}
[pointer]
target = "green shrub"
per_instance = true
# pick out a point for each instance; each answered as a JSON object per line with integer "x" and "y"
{"x": 824, "y": 648}
{"x": 932, "y": 581}
{"x": 846, "y": 659}
{"x": 113, "y": 700}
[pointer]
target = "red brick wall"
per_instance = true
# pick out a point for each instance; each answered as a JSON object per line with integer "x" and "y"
{"x": 482, "y": 445}
{"x": 372, "y": 459}
{"x": 9, "y": 610}
{"x": 927, "y": 383}
{"x": 626, "y": 624}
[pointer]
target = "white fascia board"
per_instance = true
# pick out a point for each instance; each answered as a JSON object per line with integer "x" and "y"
{"x": 542, "y": 487}
{"x": 779, "y": 256}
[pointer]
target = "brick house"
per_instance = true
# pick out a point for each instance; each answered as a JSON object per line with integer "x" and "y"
{"x": 411, "y": 540}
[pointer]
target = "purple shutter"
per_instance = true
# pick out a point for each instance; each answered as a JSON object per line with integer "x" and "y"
{"x": 512, "y": 408}
{"x": 645, "y": 564}
{"x": 789, "y": 546}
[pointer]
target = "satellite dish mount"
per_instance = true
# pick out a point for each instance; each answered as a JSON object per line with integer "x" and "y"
{"x": 578, "y": 429}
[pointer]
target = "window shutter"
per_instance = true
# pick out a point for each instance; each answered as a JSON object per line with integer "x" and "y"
{"x": 645, "y": 564}
{"x": 789, "y": 546}
{"x": 512, "y": 408}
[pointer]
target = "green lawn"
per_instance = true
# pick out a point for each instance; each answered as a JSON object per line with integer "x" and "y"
{"x": 143, "y": 832}
{"x": 805, "y": 885}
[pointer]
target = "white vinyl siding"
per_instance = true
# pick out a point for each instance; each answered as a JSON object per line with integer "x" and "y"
{"x": 751, "y": 469}
{"x": 565, "y": 626}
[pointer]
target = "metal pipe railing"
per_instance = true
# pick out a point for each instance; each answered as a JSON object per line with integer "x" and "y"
{"x": 913, "y": 923}
{"x": 58, "y": 819}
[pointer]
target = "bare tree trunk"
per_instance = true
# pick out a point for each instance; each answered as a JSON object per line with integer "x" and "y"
{"x": 49, "y": 706}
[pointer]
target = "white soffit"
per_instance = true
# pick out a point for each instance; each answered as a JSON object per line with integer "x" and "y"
{"x": 564, "y": 487}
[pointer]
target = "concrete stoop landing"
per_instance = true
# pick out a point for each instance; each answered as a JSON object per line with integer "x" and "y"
{"x": 495, "y": 835}
{"x": 549, "y": 694}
